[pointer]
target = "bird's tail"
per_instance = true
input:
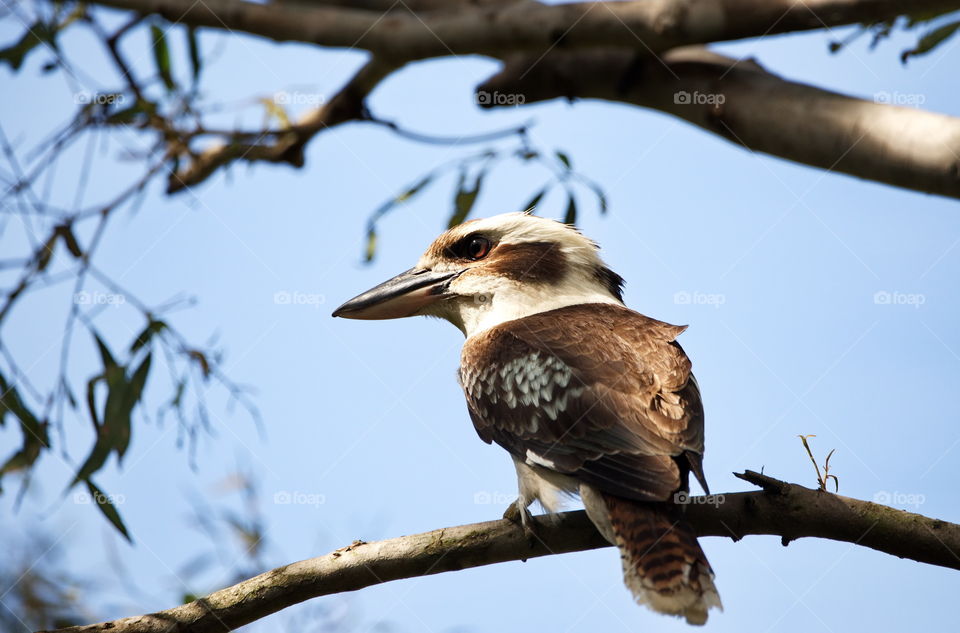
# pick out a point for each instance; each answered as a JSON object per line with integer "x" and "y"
{"x": 663, "y": 564}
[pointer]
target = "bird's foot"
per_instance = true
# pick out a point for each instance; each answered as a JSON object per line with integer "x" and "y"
{"x": 512, "y": 513}
{"x": 518, "y": 514}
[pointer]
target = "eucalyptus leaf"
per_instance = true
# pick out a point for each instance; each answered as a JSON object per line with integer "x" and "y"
{"x": 531, "y": 205}
{"x": 931, "y": 40}
{"x": 465, "y": 198}
{"x": 108, "y": 508}
{"x": 161, "y": 56}
{"x": 36, "y": 34}
{"x": 153, "y": 328}
{"x": 193, "y": 47}
{"x": 371, "y": 248}
{"x": 570, "y": 217}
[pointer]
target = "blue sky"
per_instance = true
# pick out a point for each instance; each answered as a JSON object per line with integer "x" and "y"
{"x": 365, "y": 423}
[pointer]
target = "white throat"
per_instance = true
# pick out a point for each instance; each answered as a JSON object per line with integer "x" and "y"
{"x": 514, "y": 301}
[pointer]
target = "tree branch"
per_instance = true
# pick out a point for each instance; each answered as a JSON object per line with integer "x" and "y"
{"x": 782, "y": 509}
{"x": 608, "y": 51}
{"x": 495, "y": 30}
{"x": 746, "y": 105}
{"x": 346, "y": 105}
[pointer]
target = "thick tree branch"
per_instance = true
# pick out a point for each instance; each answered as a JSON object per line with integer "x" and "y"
{"x": 746, "y": 105}
{"x": 654, "y": 25}
{"x": 603, "y": 50}
{"x": 787, "y": 510}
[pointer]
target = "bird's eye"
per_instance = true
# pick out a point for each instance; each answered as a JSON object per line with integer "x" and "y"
{"x": 477, "y": 248}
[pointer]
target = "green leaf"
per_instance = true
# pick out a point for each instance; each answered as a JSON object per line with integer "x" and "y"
{"x": 564, "y": 159}
{"x": 24, "y": 458}
{"x": 32, "y": 430}
{"x": 193, "y": 46}
{"x": 371, "y": 248}
{"x": 115, "y": 430}
{"x": 105, "y": 355}
{"x": 414, "y": 190}
{"x": 570, "y": 217}
{"x": 919, "y": 17}
{"x": 108, "y": 509}
{"x": 36, "y": 34}
{"x": 39, "y": 32}
{"x": 601, "y": 196}
{"x": 11, "y": 403}
{"x": 113, "y": 427}
{"x": 133, "y": 395}
{"x": 931, "y": 40}
{"x": 161, "y": 56}
{"x": 92, "y": 400}
{"x": 371, "y": 245}
{"x": 153, "y": 328}
{"x": 531, "y": 206}
{"x": 465, "y": 198}
{"x": 95, "y": 460}
{"x": 602, "y": 199}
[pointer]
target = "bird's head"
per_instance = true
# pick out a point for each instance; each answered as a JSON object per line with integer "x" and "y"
{"x": 484, "y": 272}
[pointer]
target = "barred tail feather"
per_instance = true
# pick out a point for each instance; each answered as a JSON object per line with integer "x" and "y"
{"x": 664, "y": 566}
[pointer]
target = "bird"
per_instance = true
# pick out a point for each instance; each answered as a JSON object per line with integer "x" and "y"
{"x": 589, "y": 397}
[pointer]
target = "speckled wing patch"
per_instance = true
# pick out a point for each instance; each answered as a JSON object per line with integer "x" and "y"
{"x": 596, "y": 391}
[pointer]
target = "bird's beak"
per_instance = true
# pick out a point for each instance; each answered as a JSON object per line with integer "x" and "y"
{"x": 402, "y": 296}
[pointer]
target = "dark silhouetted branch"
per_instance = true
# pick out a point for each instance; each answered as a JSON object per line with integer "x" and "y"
{"x": 743, "y": 103}
{"x": 286, "y": 146}
{"x": 498, "y": 30}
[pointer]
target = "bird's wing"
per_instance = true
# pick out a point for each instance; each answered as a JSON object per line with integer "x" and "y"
{"x": 595, "y": 391}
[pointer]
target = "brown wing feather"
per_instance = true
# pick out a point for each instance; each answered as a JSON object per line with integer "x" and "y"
{"x": 597, "y": 391}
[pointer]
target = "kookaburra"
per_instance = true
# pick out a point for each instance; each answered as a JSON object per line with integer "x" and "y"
{"x": 587, "y": 396}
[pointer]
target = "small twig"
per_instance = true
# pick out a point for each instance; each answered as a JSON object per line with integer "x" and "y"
{"x": 768, "y": 483}
{"x": 111, "y": 42}
{"x": 803, "y": 438}
{"x": 466, "y": 139}
{"x": 821, "y": 480}
{"x": 826, "y": 472}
